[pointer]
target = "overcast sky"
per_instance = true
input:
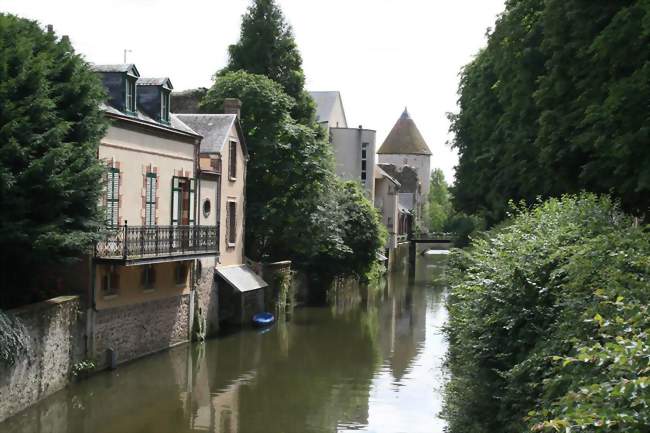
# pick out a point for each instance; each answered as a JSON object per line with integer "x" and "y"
{"x": 382, "y": 55}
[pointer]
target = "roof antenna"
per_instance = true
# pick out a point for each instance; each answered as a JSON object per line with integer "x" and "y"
{"x": 126, "y": 51}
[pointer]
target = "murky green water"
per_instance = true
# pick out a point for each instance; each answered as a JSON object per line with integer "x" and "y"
{"x": 367, "y": 363}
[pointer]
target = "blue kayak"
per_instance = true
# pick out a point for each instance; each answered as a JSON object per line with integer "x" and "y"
{"x": 263, "y": 319}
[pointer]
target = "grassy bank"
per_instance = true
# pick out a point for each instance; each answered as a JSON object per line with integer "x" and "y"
{"x": 548, "y": 325}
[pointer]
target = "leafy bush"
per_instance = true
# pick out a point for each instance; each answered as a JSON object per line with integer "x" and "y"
{"x": 548, "y": 323}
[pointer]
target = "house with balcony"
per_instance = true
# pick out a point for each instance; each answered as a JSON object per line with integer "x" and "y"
{"x": 143, "y": 269}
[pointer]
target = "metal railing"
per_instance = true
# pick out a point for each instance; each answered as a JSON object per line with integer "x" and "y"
{"x": 133, "y": 242}
{"x": 432, "y": 235}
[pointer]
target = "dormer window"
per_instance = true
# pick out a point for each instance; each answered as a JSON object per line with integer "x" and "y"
{"x": 164, "y": 106}
{"x": 130, "y": 95}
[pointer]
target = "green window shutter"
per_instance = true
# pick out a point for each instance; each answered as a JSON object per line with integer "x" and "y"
{"x": 176, "y": 200}
{"x": 150, "y": 199}
{"x": 113, "y": 197}
{"x": 192, "y": 199}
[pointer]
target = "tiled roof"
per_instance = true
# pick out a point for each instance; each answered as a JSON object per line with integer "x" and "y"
{"x": 404, "y": 139}
{"x": 215, "y": 129}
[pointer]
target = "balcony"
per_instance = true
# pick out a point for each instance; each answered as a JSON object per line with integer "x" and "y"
{"x": 136, "y": 245}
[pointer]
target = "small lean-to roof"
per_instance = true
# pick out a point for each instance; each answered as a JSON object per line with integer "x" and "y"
{"x": 215, "y": 129}
{"x": 325, "y": 102}
{"x": 404, "y": 139}
{"x": 241, "y": 277}
{"x": 379, "y": 173}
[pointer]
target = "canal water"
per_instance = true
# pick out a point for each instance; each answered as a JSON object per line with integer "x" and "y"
{"x": 371, "y": 362}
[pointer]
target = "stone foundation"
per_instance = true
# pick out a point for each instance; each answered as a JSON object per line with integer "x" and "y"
{"x": 133, "y": 331}
{"x": 206, "y": 323}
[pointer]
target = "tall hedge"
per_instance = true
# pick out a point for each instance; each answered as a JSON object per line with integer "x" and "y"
{"x": 549, "y": 323}
{"x": 556, "y": 103}
{"x": 50, "y": 178}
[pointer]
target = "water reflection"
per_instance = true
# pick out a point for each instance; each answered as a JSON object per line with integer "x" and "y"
{"x": 371, "y": 363}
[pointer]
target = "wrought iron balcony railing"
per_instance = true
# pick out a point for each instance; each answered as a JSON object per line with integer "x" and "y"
{"x": 141, "y": 243}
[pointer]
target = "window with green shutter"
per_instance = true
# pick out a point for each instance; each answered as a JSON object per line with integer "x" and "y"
{"x": 113, "y": 197}
{"x": 183, "y": 197}
{"x": 150, "y": 199}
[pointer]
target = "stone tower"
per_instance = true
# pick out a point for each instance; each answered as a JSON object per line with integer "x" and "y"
{"x": 405, "y": 146}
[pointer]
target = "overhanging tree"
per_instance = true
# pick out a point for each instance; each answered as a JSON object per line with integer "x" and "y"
{"x": 50, "y": 127}
{"x": 291, "y": 211}
{"x": 267, "y": 47}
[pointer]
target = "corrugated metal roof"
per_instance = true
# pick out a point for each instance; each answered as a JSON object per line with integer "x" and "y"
{"x": 241, "y": 277}
{"x": 215, "y": 129}
{"x": 404, "y": 139}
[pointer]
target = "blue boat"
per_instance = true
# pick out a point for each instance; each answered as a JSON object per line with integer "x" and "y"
{"x": 263, "y": 319}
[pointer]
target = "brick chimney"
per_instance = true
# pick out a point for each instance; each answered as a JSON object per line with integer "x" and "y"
{"x": 232, "y": 106}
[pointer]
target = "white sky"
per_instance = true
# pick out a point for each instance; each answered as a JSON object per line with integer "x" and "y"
{"x": 382, "y": 55}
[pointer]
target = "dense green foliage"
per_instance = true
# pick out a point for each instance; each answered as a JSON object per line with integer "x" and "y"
{"x": 296, "y": 207}
{"x": 439, "y": 201}
{"x": 267, "y": 47}
{"x": 548, "y": 325}
{"x": 556, "y": 103}
{"x": 50, "y": 127}
{"x": 362, "y": 230}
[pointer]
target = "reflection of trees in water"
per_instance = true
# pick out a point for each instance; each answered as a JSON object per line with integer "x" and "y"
{"x": 308, "y": 375}
{"x": 403, "y": 322}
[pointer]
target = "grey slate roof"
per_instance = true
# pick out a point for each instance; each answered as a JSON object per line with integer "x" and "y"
{"x": 325, "y": 104}
{"x": 155, "y": 82}
{"x": 174, "y": 121}
{"x": 214, "y": 128}
{"x": 125, "y": 67}
{"x": 404, "y": 139}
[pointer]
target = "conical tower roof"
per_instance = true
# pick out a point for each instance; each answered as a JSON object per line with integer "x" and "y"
{"x": 404, "y": 138}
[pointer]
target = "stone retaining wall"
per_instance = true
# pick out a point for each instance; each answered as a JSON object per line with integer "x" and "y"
{"x": 56, "y": 342}
{"x": 137, "y": 330}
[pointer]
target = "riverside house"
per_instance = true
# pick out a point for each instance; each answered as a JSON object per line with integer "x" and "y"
{"x": 227, "y": 288}
{"x": 142, "y": 272}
